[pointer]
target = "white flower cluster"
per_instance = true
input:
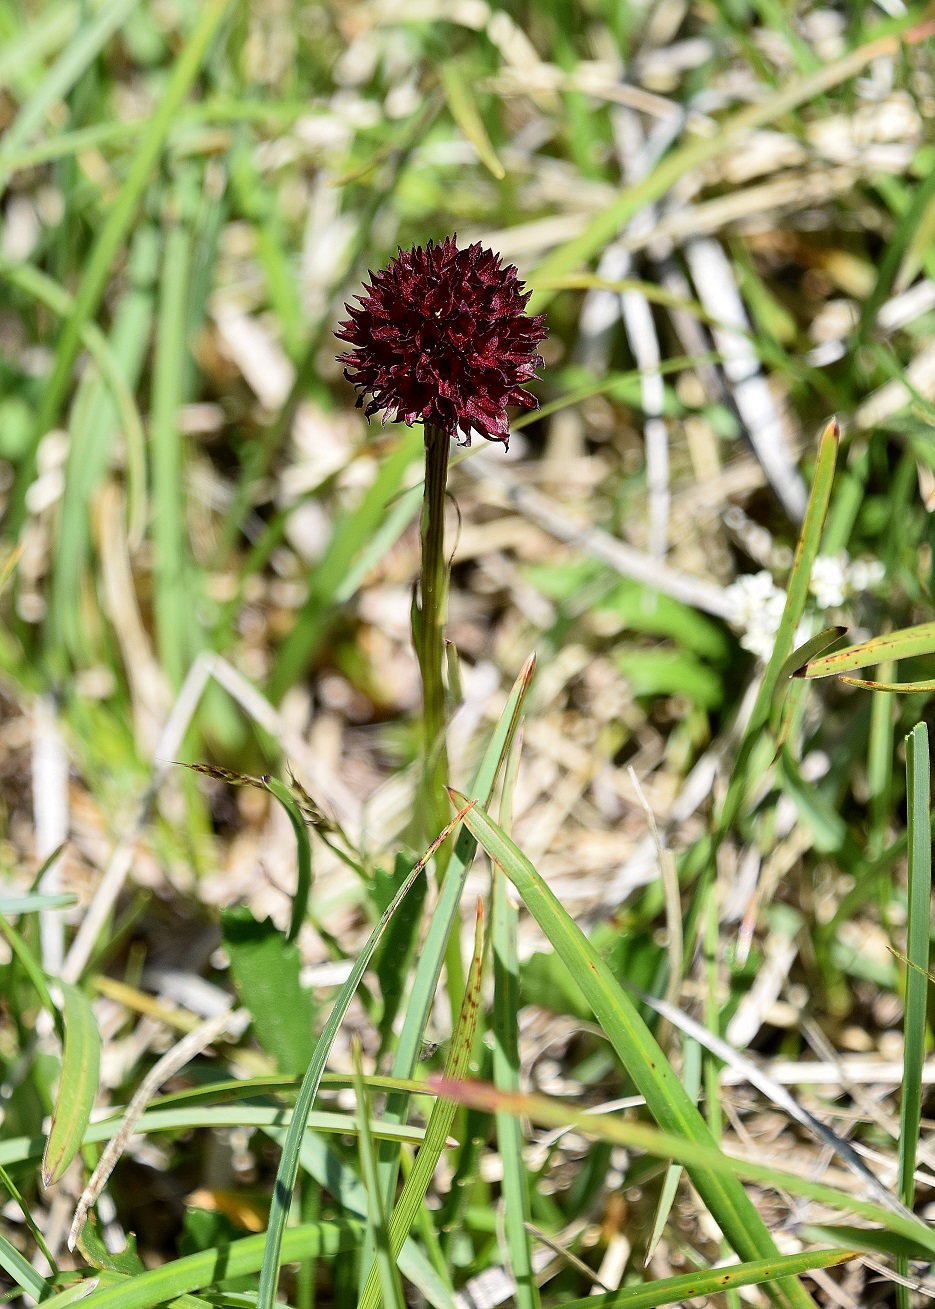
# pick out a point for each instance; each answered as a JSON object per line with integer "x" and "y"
{"x": 835, "y": 578}
{"x": 757, "y": 602}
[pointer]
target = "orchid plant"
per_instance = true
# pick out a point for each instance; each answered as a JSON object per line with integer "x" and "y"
{"x": 441, "y": 337}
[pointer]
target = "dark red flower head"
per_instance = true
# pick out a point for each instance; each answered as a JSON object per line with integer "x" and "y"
{"x": 441, "y": 338}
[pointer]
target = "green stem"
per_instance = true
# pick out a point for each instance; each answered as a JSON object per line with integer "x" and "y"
{"x": 430, "y": 648}
{"x": 430, "y": 644}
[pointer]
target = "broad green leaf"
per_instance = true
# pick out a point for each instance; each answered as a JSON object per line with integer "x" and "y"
{"x": 81, "y": 1066}
{"x": 666, "y": 1098}
{"x": 639, "y": 609}
{"x": 125, "y": 1261}
{"x": 266, "y": 974}
{"x": 670, "y": 672}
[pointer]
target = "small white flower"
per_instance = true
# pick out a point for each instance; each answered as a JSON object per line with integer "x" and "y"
{"x": 829, "y": 580}
{"x": 865, "y": 575}
{"x": 757, "y": 604}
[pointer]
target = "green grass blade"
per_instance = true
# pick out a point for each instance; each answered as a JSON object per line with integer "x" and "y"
{"x": 711, "y": 1281}
{"x": 30, "y": 964}
{"x": 106, "y": 249}
{"x": 603, "y": 385}
{"x": 11, "y": 905}
{"x": 439, "y": 1125}
{"x": 915, "y": 1021}
{"x": 171, "y": 604}
{"x": 847, "y": 1237}
{"x": 787, "y": 699}
{"x": 30, "y": 1222}
{"x": 691, "y": 1079}
{"x": 398, "y": 517}
{"x": 44, "y": 33}
{"x": 455, "y": 79}
{"x": 692, "y": 1154}
{"x": 94, "y": 420}
{"x": 515, "y": 1185}
{"x": 237, "y": 1259}
{"x": 891, "y": 688}
{"x": 49, "y": 293}
{"x": 289, "y": 1163}
{"x": 906, "y": 227}
{"x": 880, "y": 763}
{"x": 17, "y": 1149}
{"x": 303, "y": 886}
{"x": 21, "y": 1270}
{"x": 907, "y": 643}
{"x": 328, "y": 1170}
{"x": 695, "y": 154}
{"x": 666, "y": 1098}
{"x": 88, "y": 42}
{"x": 384, "y": 1275}
{"x": 81, "y": 1066}
{"x": 801, "y": 655}
{"x": 806, "y": 551}
{"x": 238, "y": 1087}
{"x": 70, "y": 143}
{"x": 428, "y": 969}
{"x": 352, "y": 528}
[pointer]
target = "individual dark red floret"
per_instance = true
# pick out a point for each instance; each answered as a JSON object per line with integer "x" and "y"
{"x": 441, "y": 338}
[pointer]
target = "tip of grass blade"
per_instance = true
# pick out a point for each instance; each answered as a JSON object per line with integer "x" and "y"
{"x": 809, "y": 650}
